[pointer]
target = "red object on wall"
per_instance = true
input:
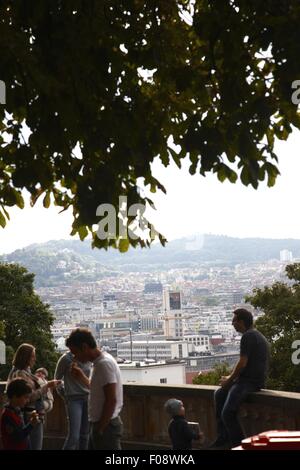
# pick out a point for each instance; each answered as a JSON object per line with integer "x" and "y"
{"x": 272, "y": 440}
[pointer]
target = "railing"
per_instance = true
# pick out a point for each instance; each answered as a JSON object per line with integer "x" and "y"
{"x": 145, "y": 421}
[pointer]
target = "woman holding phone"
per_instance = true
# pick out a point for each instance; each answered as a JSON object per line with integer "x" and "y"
{"x": 23, "y": 361}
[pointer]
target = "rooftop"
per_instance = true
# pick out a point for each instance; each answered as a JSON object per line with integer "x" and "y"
{"x": 145, "y": 364}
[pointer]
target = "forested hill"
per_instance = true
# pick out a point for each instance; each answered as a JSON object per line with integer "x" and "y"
{"x": 53, "y": 262}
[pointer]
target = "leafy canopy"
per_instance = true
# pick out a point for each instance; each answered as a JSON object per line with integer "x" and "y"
{"x": 114, "y": 79}
{"x": 24, "y": 318}
{"x": 281, "y": 326}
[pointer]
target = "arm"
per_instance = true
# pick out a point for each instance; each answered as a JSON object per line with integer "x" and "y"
{"x": 240, "y": 365}
{"x": 79, "y": 375}
{"x": 108, "y": 406}
{"x": 189, "y": 433}
{"x": 60, "y": 370}
{"x": 18, "y": 433}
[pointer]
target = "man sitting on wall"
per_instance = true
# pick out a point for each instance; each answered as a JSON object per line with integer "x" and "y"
{"x": 248, "y": 376}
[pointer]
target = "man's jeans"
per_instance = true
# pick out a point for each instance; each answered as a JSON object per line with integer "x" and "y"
{"x": 36, "y": 437}
{"x": 227, "y": 402}
{"x": 111, "y": 437}
{"x": 78, "y": 424}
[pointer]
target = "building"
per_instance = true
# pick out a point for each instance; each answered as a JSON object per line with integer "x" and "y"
{"x": 110, "y": 324}
{"x": 216, "y": 339}
{"x": 157, "y": 350}
{"x": 173, "y": 326}
{"x": 153, "y": 288}
{"x": 200, "y": 342}
{"x": 206, "y": 363}
{"x": 153, "y": 373}
{"x": 237, "y": 297}
{"x": 149, "y": 323}
{"x": 286, "y": 255}
{"x": 110, "y": 302}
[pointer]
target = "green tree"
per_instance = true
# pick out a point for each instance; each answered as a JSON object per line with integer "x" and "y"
{"x": 212, "y": 377}
{"x": 116, "y": 78}
{"x": 24, "y": 317}
{"x": 1, "y": 330}
{"x": 281, "y": 326}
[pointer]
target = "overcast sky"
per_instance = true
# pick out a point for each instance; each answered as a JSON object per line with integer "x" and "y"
{"x": 193, "y": 204}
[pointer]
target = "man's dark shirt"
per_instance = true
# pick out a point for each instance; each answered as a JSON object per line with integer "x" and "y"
{"x": 181, "y": 434}
{"x": 255, "y": 346}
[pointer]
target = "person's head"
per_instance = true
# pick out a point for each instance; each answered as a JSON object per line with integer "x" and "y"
{"x": 24, "y": 356}
{"x": 42, "y": 373}
{"x": 174, "y": 407}
{"x": 242, "y": 320}
{"x": 82, "y": 344}
{"x": 18, "y": 392}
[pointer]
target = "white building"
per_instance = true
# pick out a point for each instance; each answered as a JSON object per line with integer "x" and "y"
{"x": 200, "y": 342}
{"x": 173, "y": 325}
{"x": 110, "y": 302}
{"x": 61, "y": 344}
{"x": 149, "y": 323}
{"x": 61, "y": 331}
{"x": 77, "y": 311}
{"x": 157, "y": 350}
{"x": 153, "y": 373}
{"x": 286, "y": 255}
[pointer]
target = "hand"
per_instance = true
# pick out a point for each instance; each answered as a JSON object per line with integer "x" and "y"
{"x": 53, "y": 383}
{"x": 34, "y": 418}
{"x": 76, "y": 372}
{"x": 225, "y": 381}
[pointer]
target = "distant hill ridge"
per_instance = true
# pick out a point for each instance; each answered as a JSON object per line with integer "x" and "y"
{"x": 52, "y": 260}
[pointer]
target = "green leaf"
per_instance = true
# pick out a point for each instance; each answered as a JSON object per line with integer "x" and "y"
{"x": 19, "y": 199}
{"x": 245, "y": 176}
{"x": 83, "y": 232}
{"x": 175, "y": 157}
{"x": 5, "y": 213}
{"x": 123, "y": 245}
{"x": 2, "y": 220}
{"x": 47, "y": 200}
{"x": 270, "y": 137}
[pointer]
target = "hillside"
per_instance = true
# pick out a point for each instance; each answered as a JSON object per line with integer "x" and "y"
{"x": 57, "y": 261}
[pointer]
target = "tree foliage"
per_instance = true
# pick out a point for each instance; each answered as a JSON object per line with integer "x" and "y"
{"x": 281, "y": 326}
{"x": 1, "y": 330}
{"x": 212, "y": 377}
{"x": 24, "y": 317}
{"x": 116, "y": 78}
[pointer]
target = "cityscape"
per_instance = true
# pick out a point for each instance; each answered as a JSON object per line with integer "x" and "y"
{"x": 162, "y": 326}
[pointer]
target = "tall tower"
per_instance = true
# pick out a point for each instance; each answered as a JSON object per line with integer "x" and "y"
{"x": 286, "y": 255}
{"x": 173, "y": 325}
